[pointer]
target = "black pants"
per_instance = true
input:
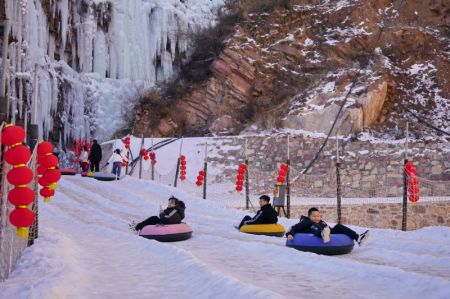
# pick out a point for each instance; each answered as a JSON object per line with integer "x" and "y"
{"x": 342, "y": 229}
{"x": 149, "y": 221}
{"x": 244, "y": 219}
{"x": 95, "y": 166}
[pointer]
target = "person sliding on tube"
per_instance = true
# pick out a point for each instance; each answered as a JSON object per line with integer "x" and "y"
{"x": 313, "y": 224}
{"x": 267, "y": 214}
{"x": 173, "y": 214}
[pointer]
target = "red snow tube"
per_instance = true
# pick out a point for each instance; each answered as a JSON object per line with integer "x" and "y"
{"x": 167, "y": 232}
{"x": 68, "y": 171}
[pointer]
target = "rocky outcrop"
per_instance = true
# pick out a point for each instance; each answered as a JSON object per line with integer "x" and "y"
{"x": 292, "y": 68}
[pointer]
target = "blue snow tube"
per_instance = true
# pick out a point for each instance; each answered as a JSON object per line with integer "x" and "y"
{"x": 104, "y": 176}
{"x": 339, "y": 244}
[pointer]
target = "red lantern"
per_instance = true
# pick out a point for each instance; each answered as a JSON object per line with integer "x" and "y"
{"x": 202, "y": 173}
{"x": 282, "y": 172}
{"x": 47, "y": 192}
{"x": 241, "y": 171}
{"x": 182, "y": 177}
{"x": 12, "y": 135}
{"x": 49, "y": 161}
{"x": 280, "y": 180}
{"x": 239, "y": 188}
{"x": 413, "y": 180}
{"x": 152, "y": 155}
{"x": 18, "y": 155}
{"x": 41, "y": 170}
{"x": 242, "y": 166}
{"x": 20, "y": 176}
{"x": 414, "y": 198}
{"x": 44, "y": 148}
{"x": 21, "y": 196}
{"x": 154, "y": 162}
{"x": 284, "y": 167}
{"x": 52, "y": 175}
{"x": 43, "y": 181}
{"x": 199, "y": 178}
{"x": 239, "y": 183}
{"x": 183, "y": 162}
{"x": 145, "y": 158}
{"x": 199, "y": 183}
{"x": 239, "y": 177}
{"x": 183, "y": 172}
{"x": 22, "y": 218}
{"x": 183, "y": 167}
{"x": 182, "y": 158}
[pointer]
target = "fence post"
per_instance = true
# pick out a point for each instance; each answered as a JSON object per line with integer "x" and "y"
{"x": 405, "y": 182}
{"x": 140, "y": 157}
{"x": 205, "y": 169}
{"x": 338, "y": 182}
{"x": 288, "y": 189}
{"x": 153, "y": 165}
{"x": 178, "y": 164}
{"x": 247, "y": 187}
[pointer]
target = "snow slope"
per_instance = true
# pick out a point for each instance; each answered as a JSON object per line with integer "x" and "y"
{"x": 85, "y": 250}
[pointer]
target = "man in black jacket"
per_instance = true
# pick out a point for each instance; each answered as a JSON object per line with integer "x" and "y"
{"x": 267, "y": 214}
{"x": 313, "y": 224}
{"x": 95, "y": 156}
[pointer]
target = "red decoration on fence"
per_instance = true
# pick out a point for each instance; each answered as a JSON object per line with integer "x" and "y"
{"x": 47, "y": 168}
{"x": 20, "y": 176}
{"x": 144, "y": 154}
{"x": 127, "y": 142}
{"x": 282, "y": 171}
{"x": 152, "y": 156}
{"x": 240, "y": 177}
{"x": 183, "y": 168}
{"x": 413, "y": 182}
{"x": 200, "y": 178}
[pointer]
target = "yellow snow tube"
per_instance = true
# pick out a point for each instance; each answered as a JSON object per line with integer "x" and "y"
{"x": 276, "y": 230}
{"x": 90, "y": 174}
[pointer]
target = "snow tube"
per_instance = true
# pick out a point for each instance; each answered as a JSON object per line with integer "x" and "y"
{"x": 276, "y": 230}
{"x": 166, "y": 232}
{"x": 339, "y": 244}
{"x": 90, "y": 174}
{"x": 68, "y": 171}
{"x": 104, "y": 176}
{"x": 84, "y": 173}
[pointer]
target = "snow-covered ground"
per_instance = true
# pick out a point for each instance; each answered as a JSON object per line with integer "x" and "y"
{"x": 85, "y": 250}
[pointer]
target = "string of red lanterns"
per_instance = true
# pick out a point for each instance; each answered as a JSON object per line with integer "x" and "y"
{"x": 240, "y": 177}
{"x": 200, "y": 178}
{"x": 47, "y": 168}
{"x": 282, "y": 171}
{"x": 413, "y": 182}
{"x": 20, "y": 176}
{"x": 152, "y": 156}
{"x": 127, "y": 147}
{"x": 182, "y": 167}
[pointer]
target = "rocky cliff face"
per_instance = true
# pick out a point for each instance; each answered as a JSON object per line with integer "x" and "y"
{"x": 292, "y": 68}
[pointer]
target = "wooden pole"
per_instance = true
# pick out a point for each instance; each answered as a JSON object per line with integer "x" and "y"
{"x": 338, "y": 182}
{"x": 247, "y": 184}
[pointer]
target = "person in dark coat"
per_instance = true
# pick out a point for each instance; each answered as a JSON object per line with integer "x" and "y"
{"x": 313, "y": 224}
{"x": 95, "y": 156}
{"x": 266, "y": 215}
{"x": 173, "y": 214}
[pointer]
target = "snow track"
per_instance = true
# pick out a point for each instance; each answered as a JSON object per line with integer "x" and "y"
{"x": 85, "y": 250}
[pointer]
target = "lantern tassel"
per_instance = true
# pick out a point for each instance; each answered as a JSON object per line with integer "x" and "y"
{"x": 22, "y": 232}
{"x": 47, "y": 199}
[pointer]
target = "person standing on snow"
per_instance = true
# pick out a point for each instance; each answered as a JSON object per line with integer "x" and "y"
{"x": 116, "y": 160}
{"x": 84, "y": 159}
{"x": 95, "y": 156}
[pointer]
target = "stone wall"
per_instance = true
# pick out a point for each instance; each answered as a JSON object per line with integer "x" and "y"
{"x": 381, "y": 215}
{"x": 368, "y": 168}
